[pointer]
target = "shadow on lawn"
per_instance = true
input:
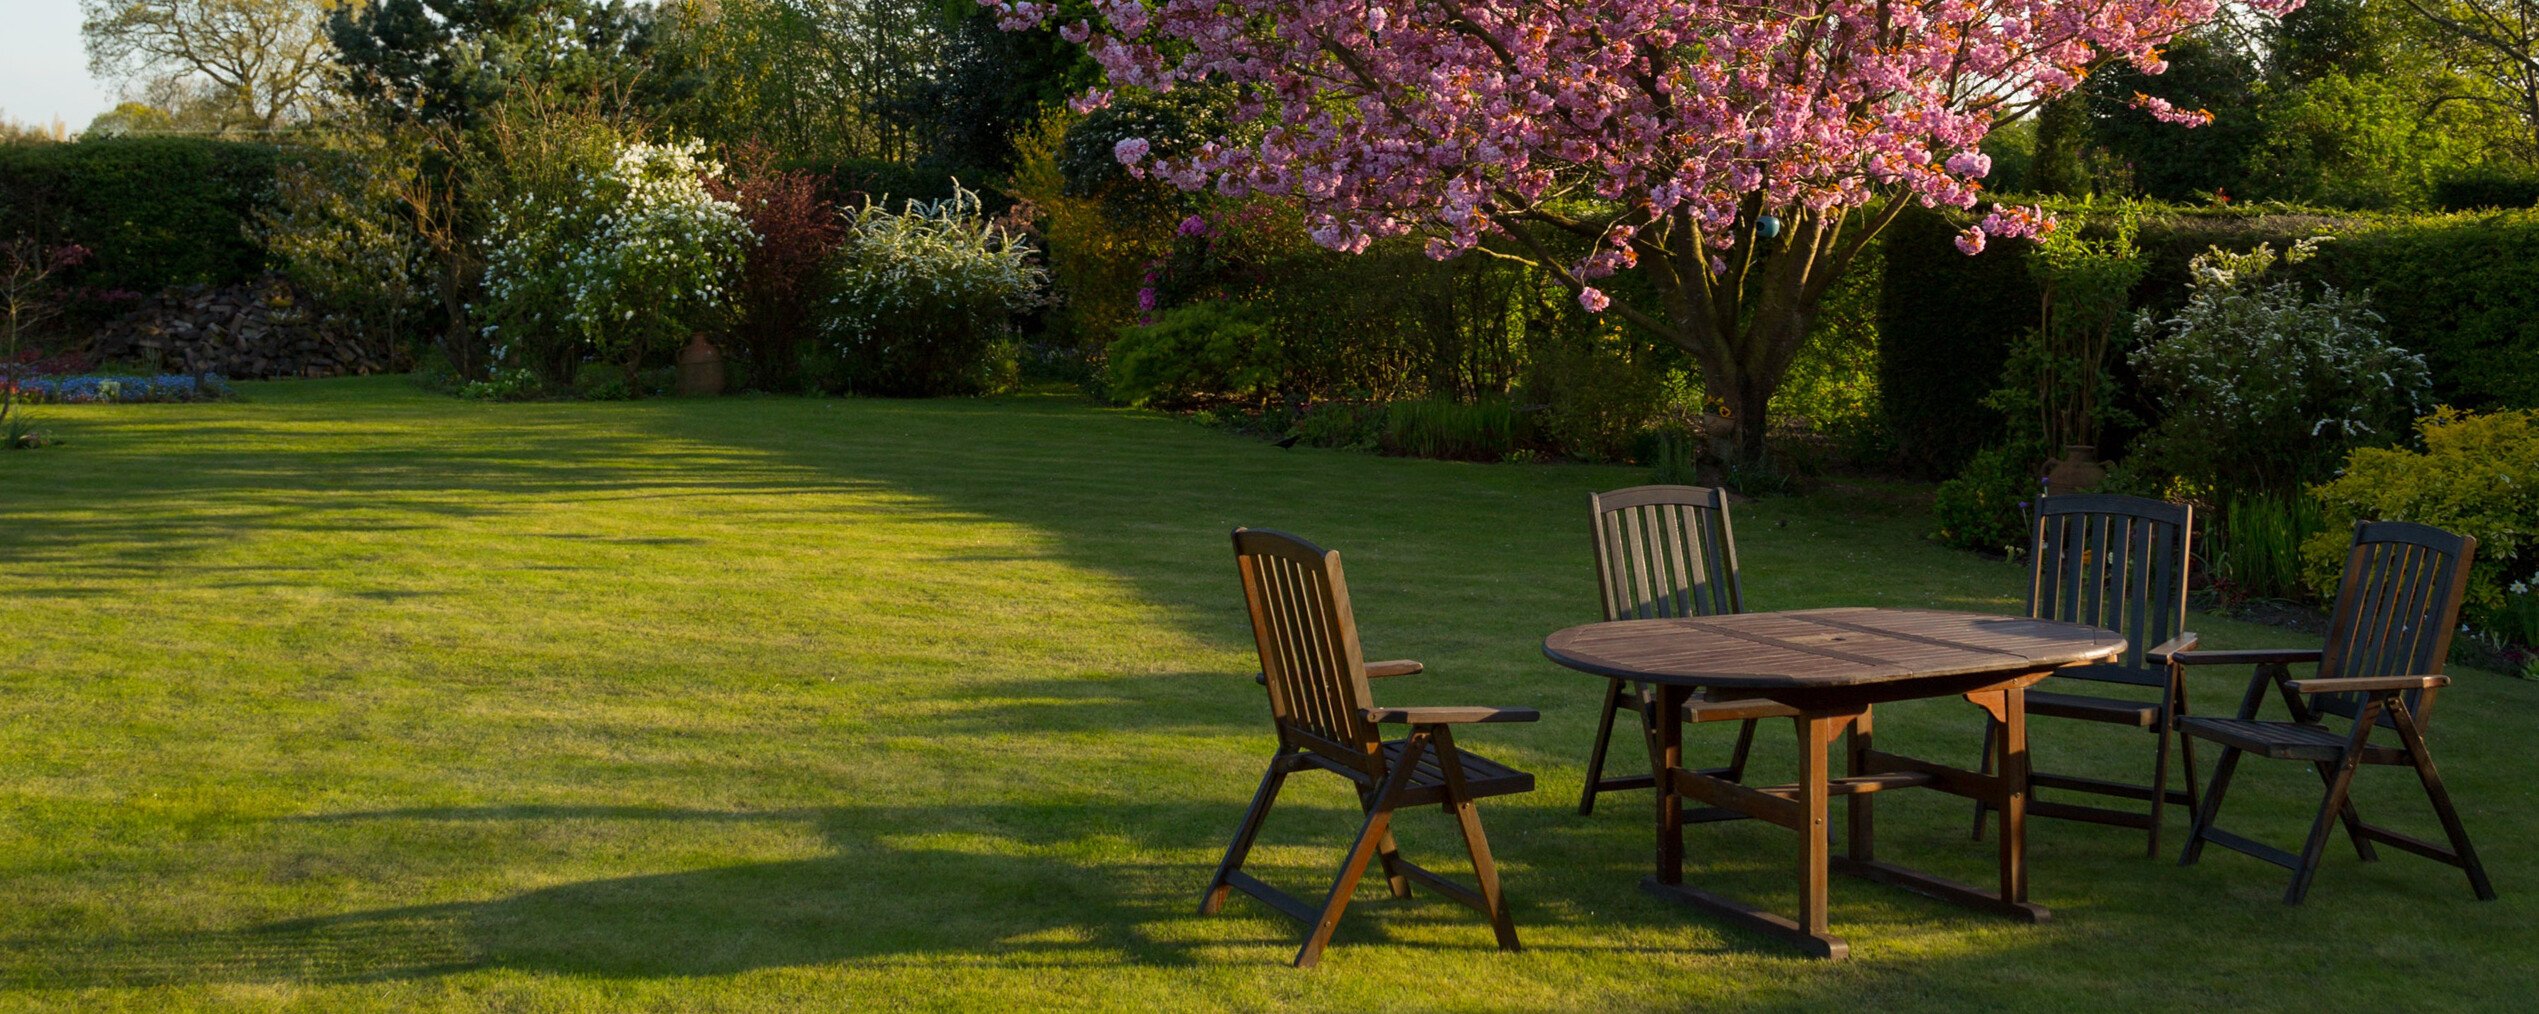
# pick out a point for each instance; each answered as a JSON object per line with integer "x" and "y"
{"x": 930, "y": 885}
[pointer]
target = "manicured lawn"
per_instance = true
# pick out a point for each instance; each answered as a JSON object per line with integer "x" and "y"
{"x": 348, "y": 695}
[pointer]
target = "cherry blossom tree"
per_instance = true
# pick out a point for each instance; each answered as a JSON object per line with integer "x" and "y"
{"x": 1738, "y": 154}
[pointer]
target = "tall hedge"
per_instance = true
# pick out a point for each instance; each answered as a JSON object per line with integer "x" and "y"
{"x": 156, "y": 211}
{"x": 2463, "y": 289}
{"x": 1945, "y": 322}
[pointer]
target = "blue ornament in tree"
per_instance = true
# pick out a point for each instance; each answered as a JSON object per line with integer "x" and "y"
{"x": 1768, "y": 226}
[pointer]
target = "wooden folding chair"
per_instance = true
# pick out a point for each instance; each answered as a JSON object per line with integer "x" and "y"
{"x": 2379, "y": 669}
{"x": 1664, "y": 552}
{"x": 1327, "y": 720}
{"x": 2118, "y": 562}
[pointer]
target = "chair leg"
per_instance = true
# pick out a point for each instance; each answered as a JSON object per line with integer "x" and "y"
{"x": 1379, "y": 822}
{"x": 2222, "y": 770}
{"x": 2410, "y": 734}
{"x": 2340, "y": 780}
{"x": 1485, "y": 870}
{"x": 1387, "y": 853}
{"x": 1992, "y": 730}
{"x": 2159, "y": 783}
{"x": 2353, "y": 820}
{"x": 1236, "y": 851}
{"x": 1745, "y": 746}
{"x": 1596, "y": 758}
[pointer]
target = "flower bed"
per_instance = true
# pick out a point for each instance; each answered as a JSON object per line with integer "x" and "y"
{"x": 93, "y": 388}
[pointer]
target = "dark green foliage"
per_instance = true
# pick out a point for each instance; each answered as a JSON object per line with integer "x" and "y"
{"x": 989, "y": 88}
{"x": 1945, "y": 324}
{"x": 155, "y": 211}
{"x": 1350, "y": 425}
{"x": 2138, "y": 155}
{"x": 2463, "y": 290}
{"x": 2486, "y": 187}
{"x": 1986, "y": 507}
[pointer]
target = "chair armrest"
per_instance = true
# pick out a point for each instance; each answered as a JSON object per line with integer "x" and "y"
{"x": 2350, "y": 684}
{"x": 2246, "y": 656}
{"x": 2160, "y": 655}
{"x": 1374, "y": 670}
{"x": 1447, "y": 716}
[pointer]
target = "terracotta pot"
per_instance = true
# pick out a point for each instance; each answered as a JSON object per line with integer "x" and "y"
{"x": 2077, "y": 470}
{"x": 700, "y": 368}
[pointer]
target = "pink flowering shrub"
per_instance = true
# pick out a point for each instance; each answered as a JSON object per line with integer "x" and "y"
{"x": 1742, "y": 155}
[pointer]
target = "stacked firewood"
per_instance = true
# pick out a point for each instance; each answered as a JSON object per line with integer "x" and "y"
{"x": 240, "y": 331}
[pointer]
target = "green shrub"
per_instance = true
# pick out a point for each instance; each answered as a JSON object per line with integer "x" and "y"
{"x": 1350, "y": 425}
{"x": 632, "y": 260}
{"x": 1601, "y": 391}
{"x": 1193, "y": 355}
{"x": 2478, "y": 475}
{"x": 1484, "y": 430}
{"x": 2262, "y": 385}
{"x": 157, "y": 211}
{"x": 2486, "y": 187}
{"x": 921, "y": 301}
{"x": 1986, "y": 507}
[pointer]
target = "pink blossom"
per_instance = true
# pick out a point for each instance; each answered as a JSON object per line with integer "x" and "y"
{"x": 1146, "y": 298}
{"x": 1193, "y": 226}
{"x": 1594, "y": 299}
{"x": 1971, "y": 241}
{"x": 1459, "y": 122}
{"x": 2161, "y": 110}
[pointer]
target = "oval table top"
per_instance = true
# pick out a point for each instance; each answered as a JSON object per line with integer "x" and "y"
{"x": 1825, "y": 648}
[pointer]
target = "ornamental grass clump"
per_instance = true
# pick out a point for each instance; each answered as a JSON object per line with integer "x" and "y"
{"x": 2264, "y": 385}
{"x": 921, "y": 302}
{"x": 634, "y": 259}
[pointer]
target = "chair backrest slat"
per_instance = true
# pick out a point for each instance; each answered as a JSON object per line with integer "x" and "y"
{"x": 2116, "y": 562}
{"x": 2396, "y": 610}
{"x": 1664, "y": 552}
{"x": 1308, "y": 642}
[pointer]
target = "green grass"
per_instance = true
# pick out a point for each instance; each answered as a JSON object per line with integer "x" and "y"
{"x": 348, "y": 696}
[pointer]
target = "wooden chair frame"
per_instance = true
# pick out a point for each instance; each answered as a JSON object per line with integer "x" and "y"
{"x": 1327, "y": 720}
{"x": 1663, "y": 552}
{"x": 2118, "y": 562}
{"x": 2381, "y": 665}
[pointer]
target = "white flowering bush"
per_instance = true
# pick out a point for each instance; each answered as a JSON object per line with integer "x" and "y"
{"x": 921, "y": 301}
{"x": 631, "y": 257}
{"x": 2264, "y": 385}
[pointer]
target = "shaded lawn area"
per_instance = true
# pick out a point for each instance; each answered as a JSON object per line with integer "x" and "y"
{"x": 350, "y": 695}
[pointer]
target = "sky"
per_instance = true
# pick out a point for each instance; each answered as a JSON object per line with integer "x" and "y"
{"x": 43, "y": 69}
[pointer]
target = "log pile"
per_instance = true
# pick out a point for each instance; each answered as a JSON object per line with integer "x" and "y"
{"x": 241, "y": 331}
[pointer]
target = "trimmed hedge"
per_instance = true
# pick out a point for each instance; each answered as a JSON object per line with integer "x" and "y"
{"x": 1945, "y": 321}
{"x": 156, "y": 211}
{"x": 2463, "y": 289}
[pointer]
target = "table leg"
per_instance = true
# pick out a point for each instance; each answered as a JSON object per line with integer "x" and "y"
{"x": 1814, "y": 838}
{"x": 2014, "y": 803}
{"x": 1864, "y": 831}
{"x": 1666, "y": 754}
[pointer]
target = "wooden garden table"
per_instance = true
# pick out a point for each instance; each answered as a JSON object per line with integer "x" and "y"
{"x": 1831, "y": 666}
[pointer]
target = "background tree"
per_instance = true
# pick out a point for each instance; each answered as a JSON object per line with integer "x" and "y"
{"x": 261, "y": 63}
{"x": 1735, "y": 159}
{"x": 2494, "y": 46}
{"x": 449, "y": 60}
{"x": 815, "y": 78}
